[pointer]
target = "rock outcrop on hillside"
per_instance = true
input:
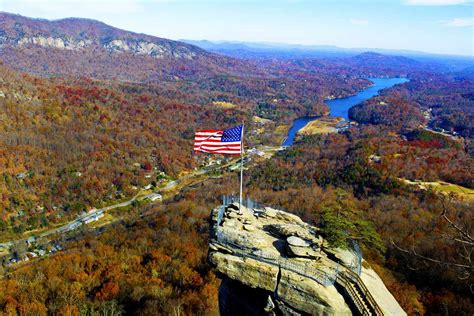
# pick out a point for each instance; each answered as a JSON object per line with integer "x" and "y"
{"x": 77, "y": 34}
{"x": 272, "y": 263}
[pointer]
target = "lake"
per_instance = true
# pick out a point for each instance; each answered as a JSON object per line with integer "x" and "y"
{"x": 340, "y": 107}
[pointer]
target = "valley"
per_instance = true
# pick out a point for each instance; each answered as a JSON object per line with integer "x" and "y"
{"x": 166, "y": 190}
{"x": 104, "y": 207}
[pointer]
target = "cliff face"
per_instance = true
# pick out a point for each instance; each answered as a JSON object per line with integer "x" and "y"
{"x": 88, "y": 48}
{"x": 273, "y": 259}
{"x": 77, "y": 34}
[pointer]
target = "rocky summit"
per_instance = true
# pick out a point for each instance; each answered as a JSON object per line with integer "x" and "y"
{"x": 273, "y": 263}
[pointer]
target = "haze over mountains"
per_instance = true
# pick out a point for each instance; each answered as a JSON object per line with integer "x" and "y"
{"x": 84, "y": 47}
{"x": 288, "y": 51}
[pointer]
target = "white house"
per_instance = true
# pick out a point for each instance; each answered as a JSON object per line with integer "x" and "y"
{"x": 155, "y": 196}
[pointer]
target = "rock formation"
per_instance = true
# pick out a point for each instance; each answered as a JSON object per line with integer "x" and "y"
{"x": 272, "y": 263}
{"x": 76, "y": 34}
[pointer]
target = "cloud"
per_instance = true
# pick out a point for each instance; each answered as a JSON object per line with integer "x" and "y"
{"x": 459, "y": 22}
{"x": 437, "y": 2}
{"x": 359, "y": 22}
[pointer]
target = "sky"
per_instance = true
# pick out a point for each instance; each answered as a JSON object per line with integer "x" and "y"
{"x": 434, "y": 26}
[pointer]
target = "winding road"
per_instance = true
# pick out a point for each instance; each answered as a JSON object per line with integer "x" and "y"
{"x": 172, "y": 184}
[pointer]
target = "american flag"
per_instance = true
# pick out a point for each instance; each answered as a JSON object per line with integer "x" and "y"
{"x": 227, "y": 141}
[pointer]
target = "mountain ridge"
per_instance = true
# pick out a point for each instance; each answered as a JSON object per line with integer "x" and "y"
{"x": 88, "y": 48}
{"x": 309, "y": 49}
{"x": 75, "y": 33}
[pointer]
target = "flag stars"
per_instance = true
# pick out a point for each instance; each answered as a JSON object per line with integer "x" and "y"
{"x": 232, "y": 134}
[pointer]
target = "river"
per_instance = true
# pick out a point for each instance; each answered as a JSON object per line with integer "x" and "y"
{"x": 340, "y": 107}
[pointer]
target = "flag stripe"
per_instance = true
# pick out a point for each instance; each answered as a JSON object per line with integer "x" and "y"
{"x": 228, "y": 152}
{"x": 219, "y": 141}
{"x": 210, "y": 131}
{"x": 216, "y": 144}
{"x": 209, "y": 139}
{"x": 236, "y": 149}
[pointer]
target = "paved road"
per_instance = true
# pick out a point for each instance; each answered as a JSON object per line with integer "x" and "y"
{"x": 170, "y": 185}
{"x": 79, "y": 220}
{"x": 76, "y": 222}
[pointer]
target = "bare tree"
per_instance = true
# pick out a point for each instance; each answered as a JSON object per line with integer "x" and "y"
{"x": 458, "y": 233}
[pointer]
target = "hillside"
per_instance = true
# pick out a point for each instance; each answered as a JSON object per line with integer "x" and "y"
{"x": 97, "y": 119}
{"x": 67, "y": 146}
{"x": 91, "y": 48}
{"x": 77, "y": 33}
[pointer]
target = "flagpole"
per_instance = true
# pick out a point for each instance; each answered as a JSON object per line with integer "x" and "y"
{"x": 241, "y": 166}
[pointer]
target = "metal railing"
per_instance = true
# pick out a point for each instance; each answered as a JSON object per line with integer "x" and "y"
{"x": 322, "y": 277}
{"x": 247, "y": 202}
{"x": 354, "y": 295}
{"x": 356, "y": 264}
{"x": 352, "y": 276}
{"x": 345, "y": 276}
{"x": 220, "y": 215}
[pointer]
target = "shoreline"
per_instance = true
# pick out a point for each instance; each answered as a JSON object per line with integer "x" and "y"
{"x": 303, "y": 121}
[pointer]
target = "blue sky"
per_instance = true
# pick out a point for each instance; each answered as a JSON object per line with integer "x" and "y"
{"x": 436, "y": 26}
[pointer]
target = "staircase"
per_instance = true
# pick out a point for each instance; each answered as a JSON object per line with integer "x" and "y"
{"x": 358, "y": 294}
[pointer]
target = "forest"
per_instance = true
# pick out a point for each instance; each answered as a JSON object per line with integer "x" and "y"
{"x": 391, "y": 220}
{"x": 155, "y": 259}
{"x": 74, "y": 144}
{"x": 447, "y": 97}
{"x": 83, "y": 129}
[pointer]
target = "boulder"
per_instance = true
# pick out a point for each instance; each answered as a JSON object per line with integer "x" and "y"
{"x": 297, "y": 242}
{"x": 298, "y": 247}
{"x": 345, "y": 256}
{"x": 219, "y": 247}
{"x": 248, "y": 221}
{"x": 234, "y": 207}
{"x": 270, "y": 212}
{"x": 285, "y": 230}
{"x": 244, "y": 238}
{"x": 302, "y": 252}
{"x": 290, "y": 218}
{"x": 283, "y": 216}
{"x": 248, "y": 271}
{"x": 309, "y": 296}
{"x": 249, "y": 228}
{"x": 230, "y": 223}
{"x": 232, "y": 214}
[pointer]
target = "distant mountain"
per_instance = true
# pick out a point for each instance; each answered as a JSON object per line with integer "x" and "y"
{"x": 91, "y": 48}
{"x": 76, "y": 34}
{"x": 82, "y": 48}
{"x": 379, "y": 61}
{"x": 268, "y": 50}
{"x": 250, "y": 50}
{"x": 467, "y": 73}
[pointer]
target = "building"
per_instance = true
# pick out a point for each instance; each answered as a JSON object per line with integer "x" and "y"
{"x": 93, "y": 217}
{"x": 155, "y": 196}
{"x": 30, "y": 240}
{"x": 375, "y": 159}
